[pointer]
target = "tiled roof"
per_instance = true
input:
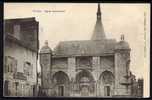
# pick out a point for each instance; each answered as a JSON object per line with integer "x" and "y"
{"x": 86, "y": 48}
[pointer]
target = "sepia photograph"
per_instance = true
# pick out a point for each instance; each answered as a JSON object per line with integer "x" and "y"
{"x": 76, "y": 50}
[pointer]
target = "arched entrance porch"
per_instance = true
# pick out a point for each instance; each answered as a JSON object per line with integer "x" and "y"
{"x": 85, "y": 83}
{"x": 61, "y": 84}
{"x": 106, "y": 84}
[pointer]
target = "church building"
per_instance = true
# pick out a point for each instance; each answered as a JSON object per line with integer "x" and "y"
{"x": 98, "y": 67}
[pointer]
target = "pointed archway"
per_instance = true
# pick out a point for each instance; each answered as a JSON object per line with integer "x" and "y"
{"x": 106, "y": 83}
{"x": 85, "y": 83}
{"x": 61, "y": 84}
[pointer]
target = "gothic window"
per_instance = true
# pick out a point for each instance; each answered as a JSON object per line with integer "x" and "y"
{"x": 107, "y": 62}
{"x": 60, "y": 63}
{"x": 10, "y": 64}
{"x": 60, "y": 78}
{"x": 107, "y": 78}
{"x": 84, "y": 61}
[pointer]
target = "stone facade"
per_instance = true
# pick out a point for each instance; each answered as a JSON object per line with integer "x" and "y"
{"x": 97, "y": 67}
{"x": 20, "y": 57}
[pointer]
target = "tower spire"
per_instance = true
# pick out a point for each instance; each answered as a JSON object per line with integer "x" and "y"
{"x": 98, "y": 33}
{"x": 98, "y": 12}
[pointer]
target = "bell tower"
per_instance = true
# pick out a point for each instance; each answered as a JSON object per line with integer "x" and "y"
{"x": 45, "y": 62}
{"x": 122, "y": 63}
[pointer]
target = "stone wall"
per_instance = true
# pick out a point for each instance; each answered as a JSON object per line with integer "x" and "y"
{"x": 45, "y": 61}
{"x": 59, "y": 63}
{"x": 107, "y": 63}
{"x": 25, "y": 87}
{"x": 72, "y": 68}
{"x": 22, "y": 55}
{"x": 120, "y": 73}
{"x": 114, "y": 64}
{"x": 98, "y": 65}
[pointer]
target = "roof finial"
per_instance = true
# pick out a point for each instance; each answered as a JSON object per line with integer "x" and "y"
{"x": 122, "y": 37}
{"x": 99, "y": 7}
{"x": 46, "y": 42}
{"x": 98, "y": 12}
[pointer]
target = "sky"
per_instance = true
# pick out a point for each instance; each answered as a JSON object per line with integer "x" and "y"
{"x": 75, "y": 21}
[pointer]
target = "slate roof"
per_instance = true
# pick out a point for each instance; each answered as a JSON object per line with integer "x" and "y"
{"x": 85, "y": 48}
{"x": 26, "y": 33}
{"x": 98, "y": 32}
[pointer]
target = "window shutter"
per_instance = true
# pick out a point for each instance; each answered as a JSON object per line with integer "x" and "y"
{"x": 6, "y": 91}
{"x": 6, "y": 65}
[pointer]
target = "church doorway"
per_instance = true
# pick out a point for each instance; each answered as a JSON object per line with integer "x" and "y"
{"x": 85, "y": 90}
{"x": 85, "y": 83}
{"x": 107, "y": 90}
{"x": 61, "y": 84}
{"x": 61, "y": 90}
{"x": 106, "y": 84}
